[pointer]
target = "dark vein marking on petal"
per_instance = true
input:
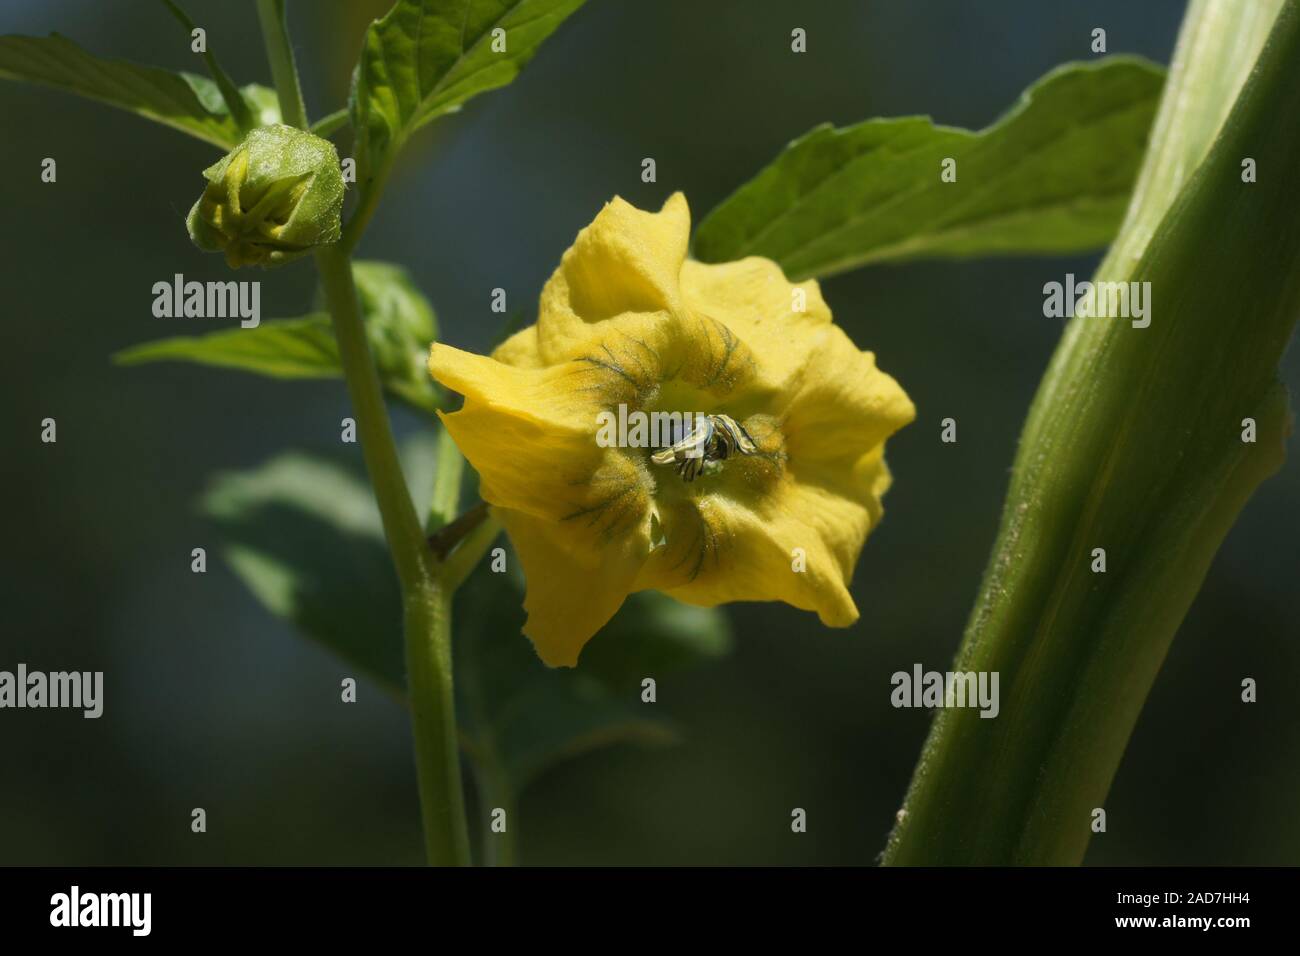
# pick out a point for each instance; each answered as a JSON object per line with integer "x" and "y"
{"x": 645, "y": 345}
{"x": 611, "y": 368}
{"x": 706, "y": 545}
{"x": 729, "y": 342}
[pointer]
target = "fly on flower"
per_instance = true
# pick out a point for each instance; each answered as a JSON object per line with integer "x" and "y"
{"x": 714, "y": 438}
{"x": 791, "y": 422}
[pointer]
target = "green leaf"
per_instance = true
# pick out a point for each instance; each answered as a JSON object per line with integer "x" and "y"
{"x": 1052, "y": 176}
{"x": 653, "y": 634}
{"x": 519, "y": 717}
{"x": 262, "y": 100}
{"x": 238, "y": 107}
{"x": 184, "y": 101}
{"x": 279, "y": 348}
{"x": 427, "y": 57}
{"x": 400, "y": 325}
{"x": 302, "y": 531}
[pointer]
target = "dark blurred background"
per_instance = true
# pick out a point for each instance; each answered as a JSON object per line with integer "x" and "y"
{"x": 212, "y": 703}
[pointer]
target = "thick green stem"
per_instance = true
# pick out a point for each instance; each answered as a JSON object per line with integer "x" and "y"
{"x": 1134, "y": 445}
{"x": 1217, "y": 48}
{"x": 426, "y": 597}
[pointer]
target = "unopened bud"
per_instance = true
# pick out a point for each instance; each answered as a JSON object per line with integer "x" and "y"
{"x": 273, "y": 198}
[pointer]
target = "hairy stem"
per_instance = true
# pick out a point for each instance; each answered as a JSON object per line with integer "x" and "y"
{"x": 370, "y": 193}
{"x": 1134, "y": 446}
{"x": 426, "y": 598}
{"x": 229, "y": 92}
{"x": 279, "y": 53}
{"x": 402, "y": 526}
{"x": 433, "y": 724}
{"x": 328, "y": 125}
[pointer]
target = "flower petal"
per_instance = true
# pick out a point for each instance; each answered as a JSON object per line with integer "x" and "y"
{"x": 530, "y": 435}
{"x": 627, "y": 260}
{"x": 838, "y": 406}
{"x": 571, "y": 594}
{"x": 521, "y": 350}
{"x": 754, "y": 300}
{"x": 722, "y": 548}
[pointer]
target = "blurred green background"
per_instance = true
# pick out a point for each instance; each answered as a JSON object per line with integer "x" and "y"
{"x": 211, "y": 703}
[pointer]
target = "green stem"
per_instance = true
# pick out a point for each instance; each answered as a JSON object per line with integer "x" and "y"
{"x": 499, "y": 849}
{"x": 433, "y": 724}
{"x": 470, "y": 549}
{"x": 1134, "y": 445}
{"x": 328, "y": 125}
{"x": 446, "y": 482}
{"x": 370, "y": 193}
{"x": 402, "y": 527}
{"x": 279, "y": 52}
{"x": 495, "y": 788}
{"x": 1217, "y": 48}
{"x": 426, "y": 599}
{"x": 229, "y": 92}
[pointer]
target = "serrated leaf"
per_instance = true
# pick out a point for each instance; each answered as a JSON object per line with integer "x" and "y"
{"x": 302, "y": 531}
{"x": 427, "y": 57}
{"x": 1052, "y": 176}
{"x": 183, "y": 101}
{"x": 400, "y": 325}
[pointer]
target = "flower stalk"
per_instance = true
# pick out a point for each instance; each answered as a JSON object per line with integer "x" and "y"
{"x": 279, "y": 53}
{"x": 426, "y": 596}
{"x": 1135, "y": 444}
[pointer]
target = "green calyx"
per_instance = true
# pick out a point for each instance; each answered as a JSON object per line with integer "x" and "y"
{"x": 273, "y": 198}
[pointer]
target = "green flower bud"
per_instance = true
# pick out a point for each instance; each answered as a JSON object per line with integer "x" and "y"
{"x": 273, "y": 198}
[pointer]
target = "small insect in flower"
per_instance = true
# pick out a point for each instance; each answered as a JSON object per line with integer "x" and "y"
{"x": 714, "y": 438}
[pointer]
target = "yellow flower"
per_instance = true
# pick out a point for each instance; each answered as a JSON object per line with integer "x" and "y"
{"x": 628, "y": 320}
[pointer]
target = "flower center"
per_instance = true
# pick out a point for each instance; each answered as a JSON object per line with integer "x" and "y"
{"x": 712, "y": 438}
